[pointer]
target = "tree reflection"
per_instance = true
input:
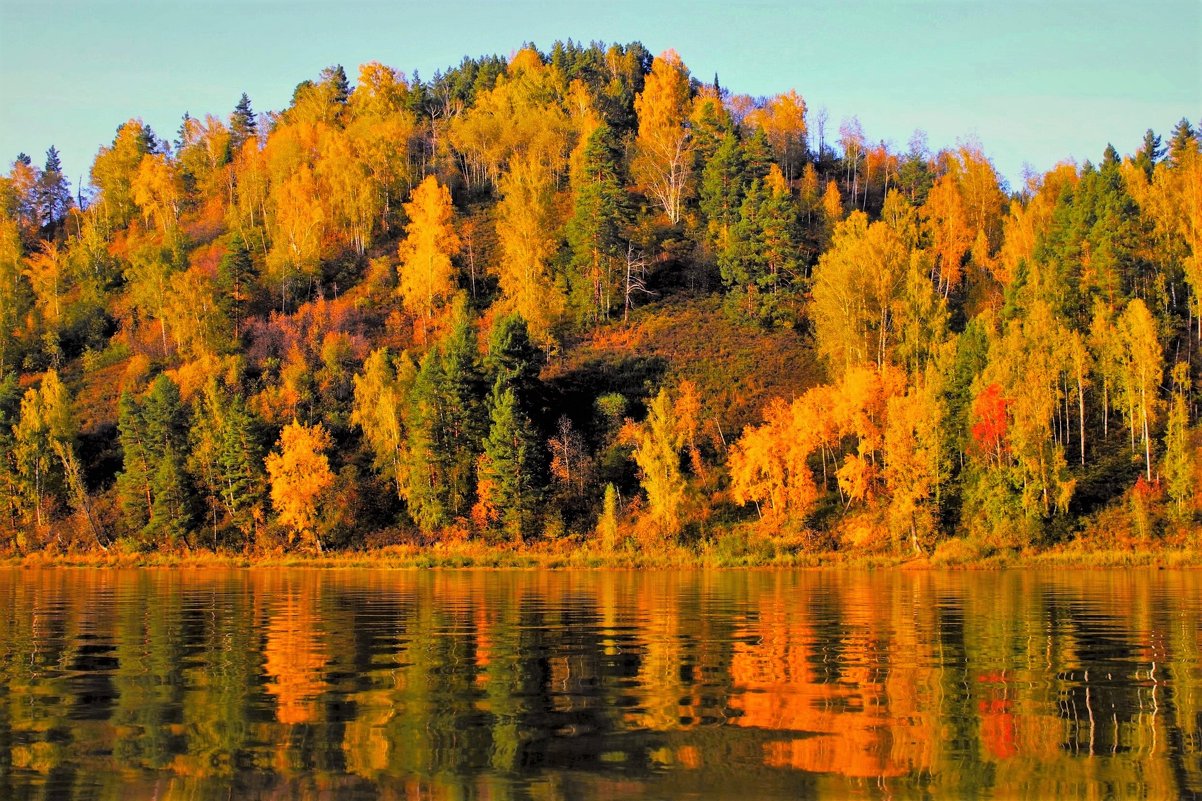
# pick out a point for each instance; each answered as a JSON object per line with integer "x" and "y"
{"x": 407, "y": 684}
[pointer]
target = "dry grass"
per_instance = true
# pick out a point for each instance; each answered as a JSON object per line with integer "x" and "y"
{"x": 737, "y": 548}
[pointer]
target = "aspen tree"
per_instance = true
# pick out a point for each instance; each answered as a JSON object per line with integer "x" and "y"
{"x": 662, "y": 162}
{"x": 427, "y": 278}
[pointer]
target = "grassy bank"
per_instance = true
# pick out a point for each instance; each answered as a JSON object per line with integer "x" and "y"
{"x": 553, "y": 557}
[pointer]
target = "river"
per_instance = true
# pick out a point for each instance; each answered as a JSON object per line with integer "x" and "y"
{"x": 775, "y": 683}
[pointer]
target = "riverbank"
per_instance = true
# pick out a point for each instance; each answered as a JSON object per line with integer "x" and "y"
{"x": 552, "y": 557}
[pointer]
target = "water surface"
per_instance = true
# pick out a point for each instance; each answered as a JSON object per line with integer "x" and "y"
{"x": 356, "y": 684}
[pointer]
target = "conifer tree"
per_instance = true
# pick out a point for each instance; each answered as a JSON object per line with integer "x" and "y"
{"x": 1184, "y": 141}
{"x": 235, "y": 277}
{"x": 243, "y": 124}
{"x": 514, "y": 361}
{"x": 723, "y": 184}
{"x": 165, "y": 422}
{"x": 508, "y": 465}
{"x": 134, "y": 495}
{"x": 595, "y": 230}
{"x": 54, "y": 192}
{"x": 240, "y": 461}
{"x": 446, "y": 426}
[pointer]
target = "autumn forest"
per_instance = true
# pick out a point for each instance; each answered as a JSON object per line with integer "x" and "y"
{"x": 587, "y": 301}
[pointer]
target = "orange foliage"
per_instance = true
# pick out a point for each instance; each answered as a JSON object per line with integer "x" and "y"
{"x": 300, "y": 472}
{"x": 990, "y": 413}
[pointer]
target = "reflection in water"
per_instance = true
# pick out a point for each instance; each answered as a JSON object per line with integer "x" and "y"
{"x": 306, "y": 684}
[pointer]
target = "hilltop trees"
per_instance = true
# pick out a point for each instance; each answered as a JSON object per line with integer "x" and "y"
{"x": 662, "y": 150}
{"x": 412, "y": 288}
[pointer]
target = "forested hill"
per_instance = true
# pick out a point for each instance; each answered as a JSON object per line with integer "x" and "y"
{"x": 583, "y": 297}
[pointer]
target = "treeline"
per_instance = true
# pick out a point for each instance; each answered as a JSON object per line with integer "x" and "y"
{"x": 368, "y": 319}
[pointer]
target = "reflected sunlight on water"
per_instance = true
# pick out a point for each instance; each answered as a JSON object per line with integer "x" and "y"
{"x": 306, "y": 684}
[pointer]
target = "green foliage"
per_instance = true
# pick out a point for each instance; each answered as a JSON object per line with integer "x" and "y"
{"x": 514, "y": 361}
{"x": 225, "y": 461}
{"x": 445, "y": 428}
{"x": 760, "y": 265}
{"x": 153, "y": 489}
{"x": 723, "y": 182}
{"x": 509, "y": 467}
{"x": 596, "y": 229}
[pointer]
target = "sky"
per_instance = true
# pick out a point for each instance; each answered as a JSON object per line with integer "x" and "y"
{"x": 1034, "y": 83}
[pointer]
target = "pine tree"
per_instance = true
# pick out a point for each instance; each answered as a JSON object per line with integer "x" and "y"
{"x": 240, "y": 461}
{"x": 723, "y": 185}
{"x": 1149, "y": 153}
{"x": 54, "y": 192}
{"x": 165, "y": 422}
{"x": 760, "y": 260}
{"x": 514, "y": 362}
{"x": 226, "y": 459}
{"x": 133, "y": 482}
{"x": 1185, "y": 140}
{"x": 445, "y": 429}
{"x": 171, "y": 512}
{"x": 340, "y": 86}
{"x": 463, "y": 414}
{"x": 595, "y": 230}
{"x": 235, "y": 277}
{"x": 243, "y": 124}
{"x": 422, "y": 474}
{"x": 509, "y": 466}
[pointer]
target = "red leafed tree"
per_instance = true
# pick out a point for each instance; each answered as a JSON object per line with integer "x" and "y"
{"x": 990, "y": 422}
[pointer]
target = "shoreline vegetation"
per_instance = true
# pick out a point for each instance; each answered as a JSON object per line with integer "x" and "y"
{"x": 585, "y": 308}
{"x": 722, "y": 554}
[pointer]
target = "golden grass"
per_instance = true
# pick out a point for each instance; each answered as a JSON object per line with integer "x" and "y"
{"x": 573, "y": 556}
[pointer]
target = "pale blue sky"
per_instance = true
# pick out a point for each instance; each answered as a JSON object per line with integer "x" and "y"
{"x": 1034, "y": 82}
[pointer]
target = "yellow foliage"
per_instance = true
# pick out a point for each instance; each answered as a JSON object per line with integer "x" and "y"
{"x": 783, "y": 120}
{"x": 157, "y": 191}
{"x": 522, "y": 115}
{"x": 526, "y": 233}
{"x": 832, "y": 204}
{"x": 299, "y": 473}
{"x": 965, "y": 201}
{"x": 663, "y": 156}
{"x": 426, "y": 272}
{"x": 657, "y": 444}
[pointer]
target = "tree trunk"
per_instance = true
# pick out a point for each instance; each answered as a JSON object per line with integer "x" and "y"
{"x": 1081, "y": 414}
